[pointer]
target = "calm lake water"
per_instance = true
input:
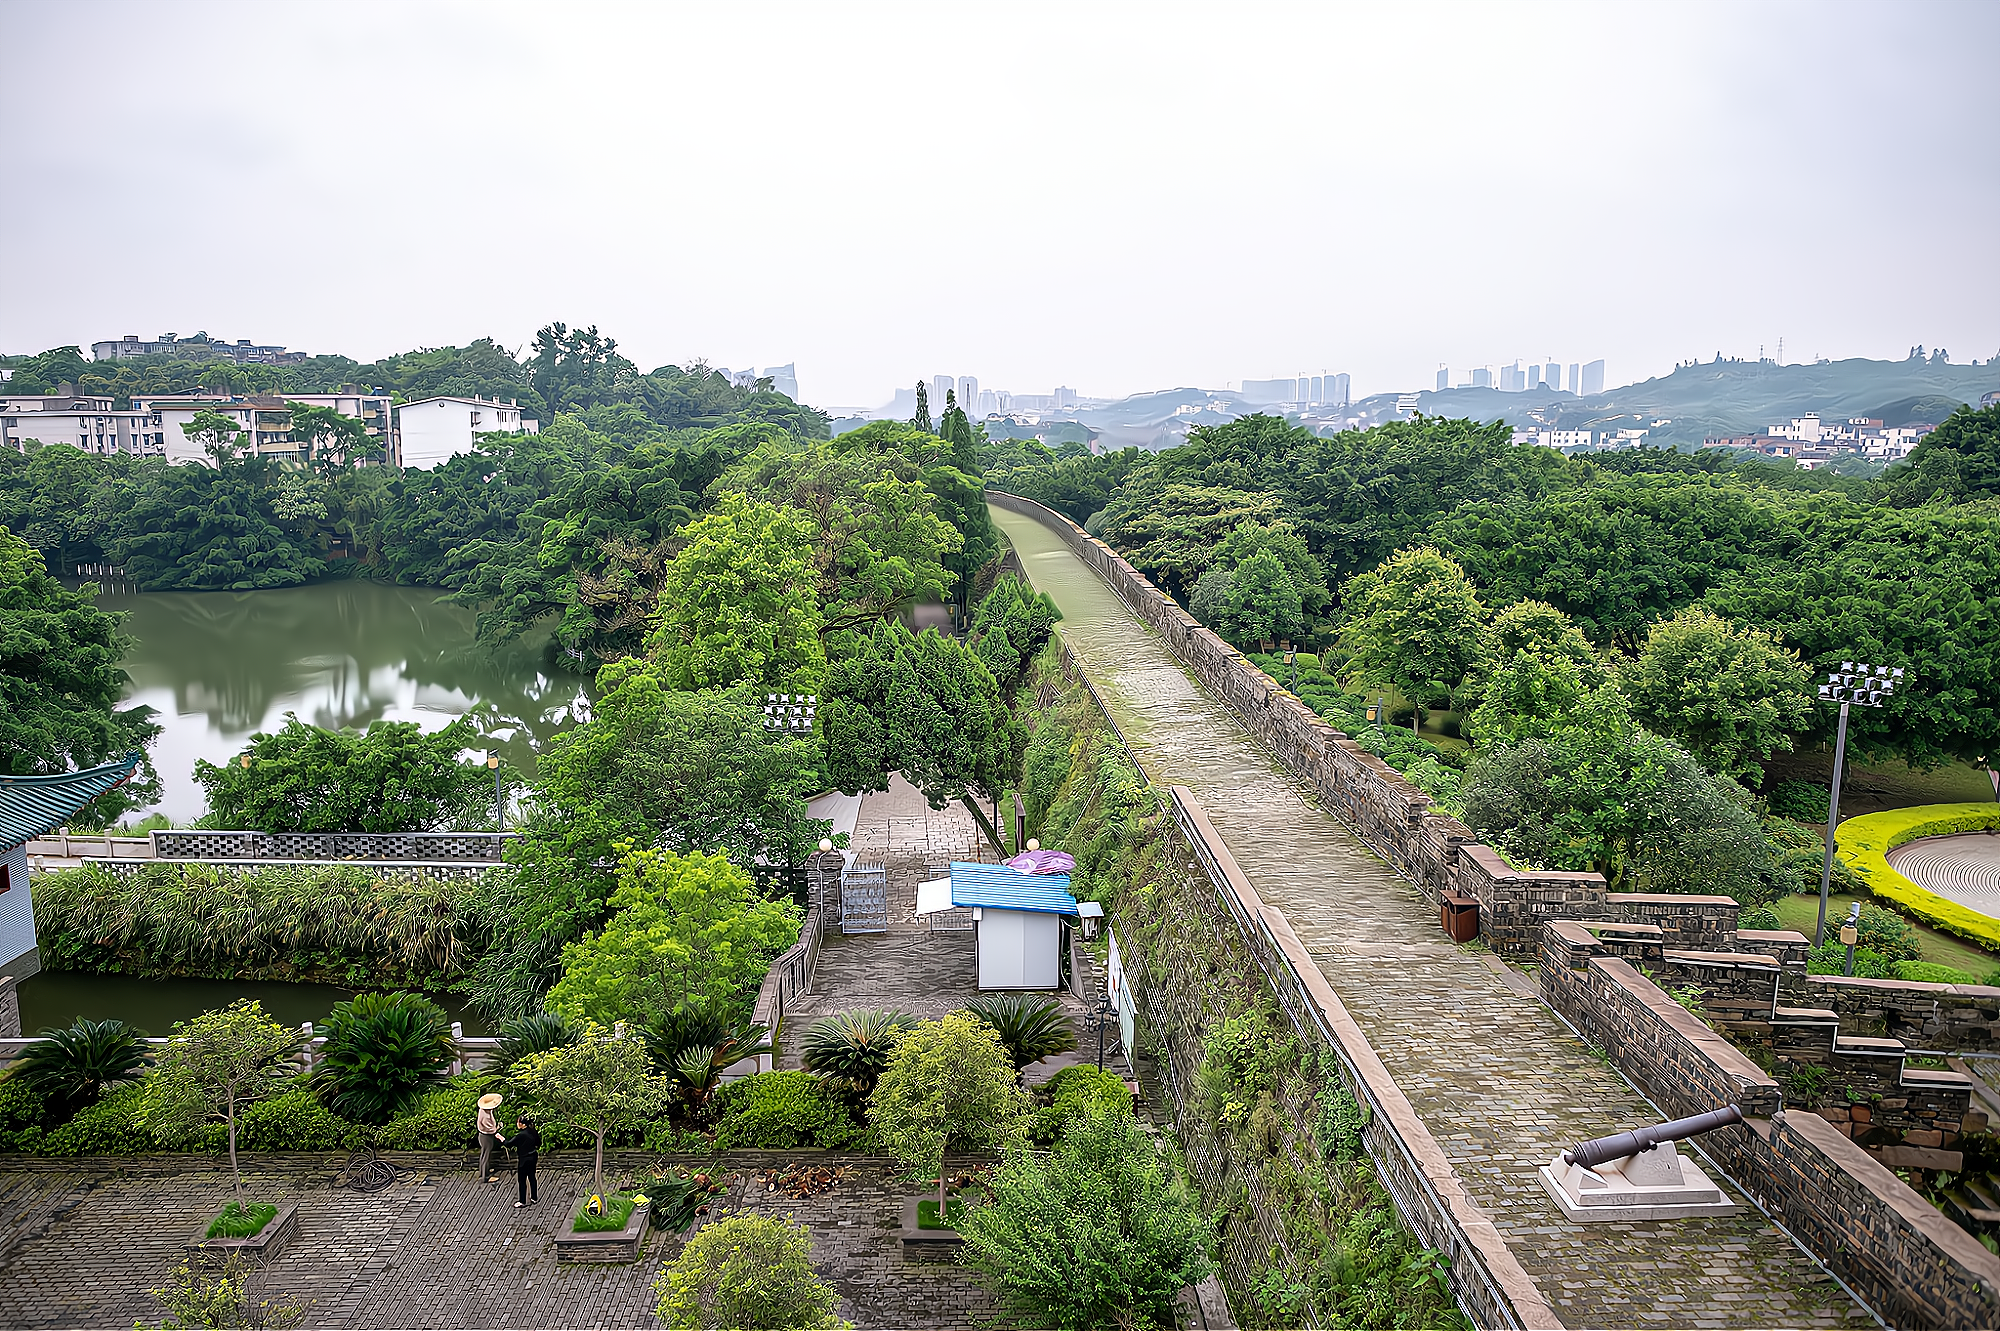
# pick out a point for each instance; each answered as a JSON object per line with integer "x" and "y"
{"x": 217, "y": 667}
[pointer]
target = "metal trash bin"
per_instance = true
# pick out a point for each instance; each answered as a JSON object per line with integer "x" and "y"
{"x": 1459, "y": 916}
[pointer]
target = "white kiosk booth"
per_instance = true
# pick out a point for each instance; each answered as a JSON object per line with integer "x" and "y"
{"x": 1017, "y": 918}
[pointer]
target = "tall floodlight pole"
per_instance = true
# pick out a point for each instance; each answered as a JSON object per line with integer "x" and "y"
{"x": 1867, "y": 686}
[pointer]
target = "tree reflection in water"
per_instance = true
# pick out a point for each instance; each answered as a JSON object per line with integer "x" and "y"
{"x": 218, "y": 666}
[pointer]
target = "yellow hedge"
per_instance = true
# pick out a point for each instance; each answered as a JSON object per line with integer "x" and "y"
{"x": 1864, "y": 844}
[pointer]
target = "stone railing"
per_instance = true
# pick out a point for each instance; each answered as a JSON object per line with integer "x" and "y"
{"x": 1392, "y": 816}
{"x": 793, "y": 971}
{"x": 1910, "y": 1264}
{"x": 395, "y": 847}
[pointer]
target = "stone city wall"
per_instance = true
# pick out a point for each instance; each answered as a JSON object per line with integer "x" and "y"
{"x": 1910, "y": 1264}
{"x": 1487, "y": 1279}
{"x": 1438, "y": 853}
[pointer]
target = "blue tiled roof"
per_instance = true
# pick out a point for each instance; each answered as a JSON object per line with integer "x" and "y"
{"x": 32, "y": 806}
{"x": 1002, "y": 888}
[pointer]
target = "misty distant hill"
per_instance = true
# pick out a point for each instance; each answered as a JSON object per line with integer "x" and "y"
{"x": 1726, "y": 398}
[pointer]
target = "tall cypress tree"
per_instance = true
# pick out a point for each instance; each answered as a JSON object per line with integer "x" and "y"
{"x": 922, "y": 420}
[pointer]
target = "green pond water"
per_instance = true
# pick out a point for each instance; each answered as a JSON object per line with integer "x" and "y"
{"x": 217, "y": 667}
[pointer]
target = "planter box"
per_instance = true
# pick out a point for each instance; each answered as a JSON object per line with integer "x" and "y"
{"x": 926, "y": 1242}
{"x": 611, "y": 1245}
{"x": 265, "y": 1243}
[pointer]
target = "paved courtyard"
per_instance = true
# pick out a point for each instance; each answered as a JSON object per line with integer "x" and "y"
{"x": 435, "y": 1250}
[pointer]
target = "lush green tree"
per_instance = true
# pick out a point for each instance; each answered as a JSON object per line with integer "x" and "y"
{"x": 1415, "y": 624}
{"x": 688, "y": 772}
{"x": 333, "y": 441}
{"x": 880, "y": 543}
{"x": 685, "y": 930}
{"x": 214, "y": 1065}
{"x": 1263, "y": 603}
{"x": 600, "y": 1081}
{"x": 1538, "y": 627}
{"x": 1730, "y": 696}
{"x": 1959, "y": 460}
{"x": 738, "y": 603}
{"x": 60, "y": 682}
{"x": 1598, "y": 793}
{"x": 578, "y": 368}
{"x": 1103, "y": 1231}
{"x": 922, "y": 420}
{"x": 382, "y": 1051}
{"x": 923, "y": 705}
{"x": 1013, "y": 622}
{"x": 1283, "y": 541}
{"x": 216, "y": 432}
{"x": 1543, "y": 668}
{"x": 746, "y": 1271}
{"x": 393, "y": 778}
{"x": 948, "y": 1083}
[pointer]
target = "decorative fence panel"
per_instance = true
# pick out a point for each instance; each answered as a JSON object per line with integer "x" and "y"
{"x": 406, "y": 847}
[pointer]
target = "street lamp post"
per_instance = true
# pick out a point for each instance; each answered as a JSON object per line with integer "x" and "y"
{"x": 1869, "y": 686}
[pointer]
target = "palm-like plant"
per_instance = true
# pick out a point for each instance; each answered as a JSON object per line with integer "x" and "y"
{"x": 531, "y": 1035}
{"x": 71, "y": 1067}
{"x": 693, "y": 1046}
{"x": 381, "y": 1052}
{"x": 1030, "y": 1026}
{"x": 854, "y": 1047}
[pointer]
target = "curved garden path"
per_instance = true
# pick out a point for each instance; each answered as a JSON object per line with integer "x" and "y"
{"x": 1500, "y": 1080}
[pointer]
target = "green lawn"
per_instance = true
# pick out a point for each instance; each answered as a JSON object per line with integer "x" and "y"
{"x": 927, "y": 1214}
{"x": 1799, "y": 912}
{"x": 235, "y": 1223}
{"x": 617, "y": 1210}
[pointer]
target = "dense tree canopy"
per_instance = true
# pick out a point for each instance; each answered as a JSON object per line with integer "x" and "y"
{"x": 60, "y": 682}
{"x": 394, "y": 778}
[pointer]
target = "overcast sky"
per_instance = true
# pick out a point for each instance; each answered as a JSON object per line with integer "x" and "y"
{"x": 1115, "y": 198}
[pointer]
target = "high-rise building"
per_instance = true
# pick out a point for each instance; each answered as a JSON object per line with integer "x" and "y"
{"x": 1575, "y": 384}
{"x": 1065, "y": 397}
{"x": 1482, "y": 377}
{"x": 1318, "y": 387}
{"x": 941, "y": 384}
{"x": 968, "y": 393}
{"x": 989, "y": 402}
{"x": 1444, "y": 378}
{"x": 1337, "y": 391}
{"x": 1552, "y": 376}
{"x": 784, "y": 379}
{"x": 1593, "y": 378}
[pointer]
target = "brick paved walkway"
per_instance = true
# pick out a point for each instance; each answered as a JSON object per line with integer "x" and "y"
{"x": 436, "y": 1250}
{"x": 1499, "y": 1079}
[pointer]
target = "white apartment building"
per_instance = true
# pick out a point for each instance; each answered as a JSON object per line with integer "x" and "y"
{"x": 437, "y": 429}
{"x": 88, "y": 424}
{"x": 266, "y": 421}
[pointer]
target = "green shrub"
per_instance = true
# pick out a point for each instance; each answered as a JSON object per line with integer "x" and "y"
{"x": 1888, "y": 933}
{"x": 23, "y": 1116}
{"x": 1759, "y": 917}
{"x": 1803, "y": 800}
{"x": 381, "y": 1052}
{"x": 119, "y": 1124}
{"x": 1830, "y": 958}
{"x": 1031, "y": 1026}
{"x": 73, "y": 1065}
{"x": 1930, "y": 972}
{"x": 531, "y": 1035}
{"x": 854, "y": 1047}
{"x": 1077, "y": 1092}
{"x": 296, "y": 1121}
{"x": 782, "y": 1111}
{"x": 236, "y": 1223}
{"x": 440, "y": 1120}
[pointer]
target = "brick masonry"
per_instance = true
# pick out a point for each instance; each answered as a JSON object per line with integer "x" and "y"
{"x": 1912, "y": 1265}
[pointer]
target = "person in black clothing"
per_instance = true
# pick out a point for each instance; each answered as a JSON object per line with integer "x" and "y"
{"x": 526, "y": 1143}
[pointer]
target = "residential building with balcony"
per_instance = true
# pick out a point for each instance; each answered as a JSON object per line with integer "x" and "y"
{"x": 437, "y": 429}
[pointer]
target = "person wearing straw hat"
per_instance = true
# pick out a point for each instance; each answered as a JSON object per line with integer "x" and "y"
{"x": 489, "y": 1136}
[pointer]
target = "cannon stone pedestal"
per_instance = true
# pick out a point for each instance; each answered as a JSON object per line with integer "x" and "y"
{"x": 1655, "y": 1184}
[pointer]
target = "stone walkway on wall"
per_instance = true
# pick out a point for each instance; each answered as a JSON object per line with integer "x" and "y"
{"x": 437, "y": 1250}
{"x": 1501, "y": 1082}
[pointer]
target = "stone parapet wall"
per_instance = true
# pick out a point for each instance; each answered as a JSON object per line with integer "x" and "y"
{"x": 1486, "y": 1277}
{"x": 1907, "y": 1261}
{"x": 1952, "y": 1018}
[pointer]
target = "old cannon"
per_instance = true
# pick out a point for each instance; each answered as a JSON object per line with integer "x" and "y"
{"x": 1638, "y": 1175}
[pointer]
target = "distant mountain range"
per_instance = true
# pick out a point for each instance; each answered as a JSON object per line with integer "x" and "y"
{"x": 1695, "y": 402}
